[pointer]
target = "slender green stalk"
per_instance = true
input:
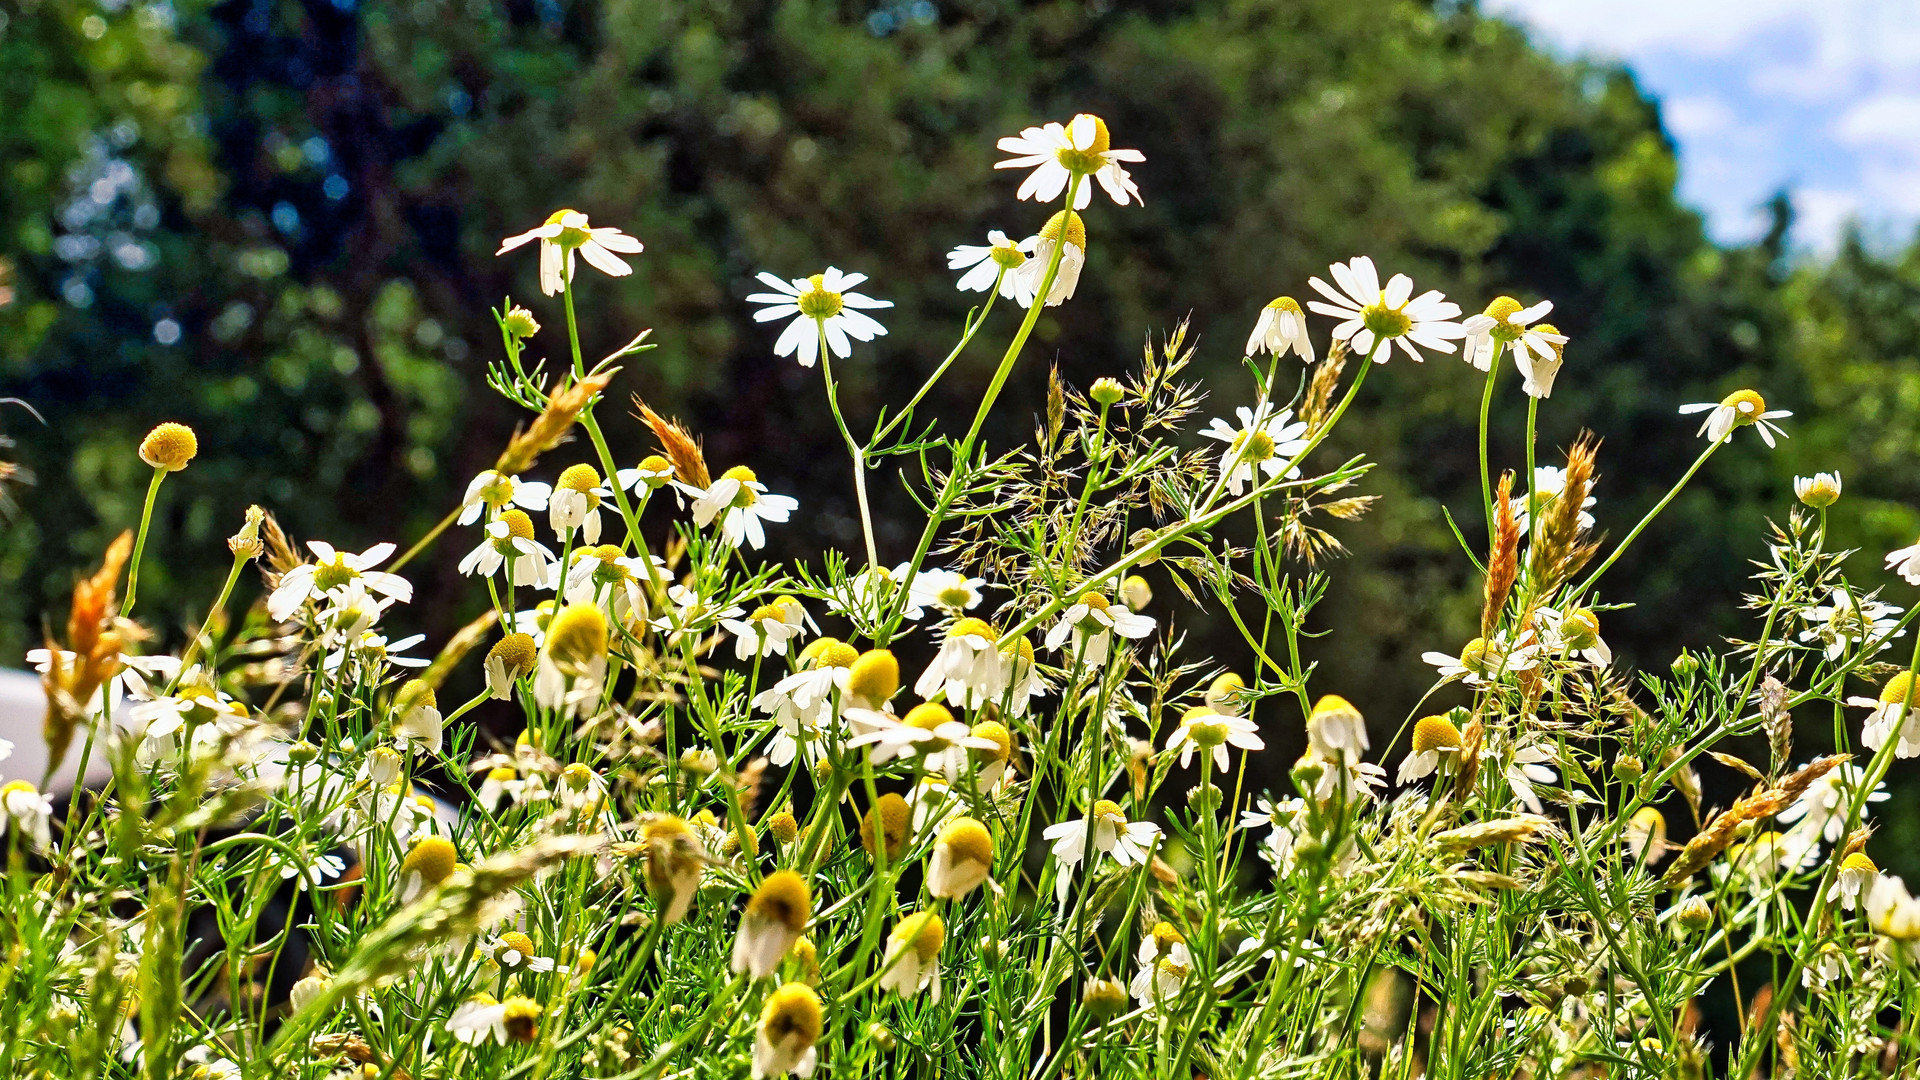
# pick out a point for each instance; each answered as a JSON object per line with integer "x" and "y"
{"x": 140, "y": 541}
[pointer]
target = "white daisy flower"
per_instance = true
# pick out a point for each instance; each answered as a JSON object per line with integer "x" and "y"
{"x": 1261, "y": 442}
{"x": 998, "y": 261}
{"x": 1279, "y": 820}
{"x": 928, "y": 731}
{"x": 131, "y": 676}
{"x": 1369, "y": 313}
{"x": 949, "y": 590}
{"x": 1481, "y": 660}
{"x": 1892, "y": 911}
{"x": 1336, "y": 730}
{"x": 1738, "y": 409}
{"x": 1433, "y": 738}
{"x": 912, "y": 960}
{"x": 1843, "y": 623}
{"x": 1281, "y": 329}
{"x": 566, "y": 233}
{"x": 575, "y": 503}
{"x": 349, "y": 615}
{"x": 26, "y": 811}
{"x": 1549, "y": 483}
{"x": 653, "y": 471}
{"x": 1163, "y": 942}
{"x": 374, "y": 653}
{"x": 693, "y": 612}
{"x": 741, "y": 502}
{"x": 790, "y": 1023}
{"x": 1528, "y": 767}
{"x": 803, "y": 701}
{"x": 312, "y": 581}
{"x": 822, "y": 301}
{"x": 763, "y": 633}
{"x": 1056, "y": 154}
{"x": 968, "y": 669}
{"x": 1577, "y": 632}
{"x": 1023, "y": 677}
{"x": 776, "y": 916}
{"x": 1819, "y": 491}
{"x": 1106, "y": 825}
{"x": 1167, "y": 977}
{"x": 514, "y": 951}
{"x": 1856, "y": 877}
{"x": 478, "y": 1020}
{"x": 1090, "y": 625}
{"x": 1646, "y": 834}
{"x": 510, "y": 543}
{"x": 1506, "y": 322}
{"x": 492, "y": 491}
{"x": 1073, "y": 259}
{"x": 503, "y": 783}
{"x": 607, "y": 578}
{"x": 1891, "y": 717}
{"x": 1906, "y": 562}
{"x": 1207, "y": 731}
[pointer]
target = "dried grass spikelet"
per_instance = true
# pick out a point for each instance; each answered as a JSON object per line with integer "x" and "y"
{"x": 1472, "y": 736}
{"x": 457, "y": 647}
{"x": 1317, "y": 404}
{"x": 550, "y": 428}
{"x": 1558, "y": 550}
{"x": 1503, "y": 557}
{"x": 1778, "y": 721}
{"x": 282, "y": 556}
{"x": 1857, "y": 840}
{"x": 95, "y": 643}
{"x": 1710, "y": 841}
{"x": 689, "y": 464}
{"x": 1520, "y": 829}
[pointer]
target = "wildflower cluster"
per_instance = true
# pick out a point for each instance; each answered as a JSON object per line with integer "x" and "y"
{"x": 970, "y": 813}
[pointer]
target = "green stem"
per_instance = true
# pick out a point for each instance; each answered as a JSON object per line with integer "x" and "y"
{"x": 1621, "y": 548}
{"x": 140, "y": 541}
{"x": 1486, "y": 406}
{"x": 421, "y": 544}
{"x": 859, "y": 456}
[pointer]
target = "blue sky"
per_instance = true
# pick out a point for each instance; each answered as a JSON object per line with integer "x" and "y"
{"x": 1822, "y": 98}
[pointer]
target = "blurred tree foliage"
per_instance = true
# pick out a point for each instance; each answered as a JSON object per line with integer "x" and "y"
{"x": 275, "y": 220}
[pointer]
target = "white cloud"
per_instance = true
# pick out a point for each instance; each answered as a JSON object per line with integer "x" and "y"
{"x": 1821, "y": 96}
{"x": 1697, "y": 115}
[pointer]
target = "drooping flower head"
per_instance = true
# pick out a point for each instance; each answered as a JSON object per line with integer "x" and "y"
{"x": 566, "y": 233}
{"x": 1737, "y": 410}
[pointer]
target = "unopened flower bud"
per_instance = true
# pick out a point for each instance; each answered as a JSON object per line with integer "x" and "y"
{"x": 1106, "y": 392}
{"x": 1693, "y": 915}
{"x": 1628, "y": 768}
{"x": 521, "y": 323}
{"x": 1684, "y": 665}
{"x": 246, "y": 544}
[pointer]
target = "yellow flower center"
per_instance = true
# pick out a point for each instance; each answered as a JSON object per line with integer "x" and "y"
{"x": 1500, "y": 310}
{"x": 1286, "y": 303}
{"x": 1474, "y": 656}
{"x": 783, "y": 898}
{"x": 1091, "y": 159}
{"x": 1747, "y": 405}
{"x": 432, "y": 858}
{"x": 1859, "y": 862}
{"x": 924, "y": 933}
{"x": 1007, "y": 256}
{"x": 169, "y": 446}
{"x": 1433, "y": 733}
{"x": 891, "y": 815}
{"x": 746, "y": 496}
{"x": 578, "y": 634}
{"x": 1581, "y": 629}
{"x": 521, "y": 1019}
{"x": 608, "y": 570}
{"x": 1068, "y": 222}
{"x": 996, "y": 733}
{"x": 966, "y": 840}
{"x": 416, "y": 694}
{"x": 792, "y": 1015}
{"x": 519, "y": 527}
{"x": 515, "y": 941}
{"x": 328, "y": 576}
{"x": 516, "y": 653}
{"x": 971, "y": 627}
{"x": 1166, "y": 937}
{"x": 817, "y": 302}
{"x": 928, "y": 717}
{"x": 1251, "y": 446}
{"x": 1109, "y": 811}
{"x": 875, "y": 676}
{"x": 829, "y": 652}
{"x": 570, "y": 236}
{"x": 1899, "y": 690}
{"x": 1205, "y": 727}
{"x": 1385, "y": 322}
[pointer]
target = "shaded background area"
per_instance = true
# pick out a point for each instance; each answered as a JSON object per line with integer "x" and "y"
{"x": 275, "y": 220}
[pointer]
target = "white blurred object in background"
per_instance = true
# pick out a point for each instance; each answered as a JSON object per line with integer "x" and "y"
{"x": 23, "y": 706}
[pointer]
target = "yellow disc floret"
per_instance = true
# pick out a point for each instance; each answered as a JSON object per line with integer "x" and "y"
{"x": 1747, "y": 405}
{"x": 1068, "y": 222}
{"x": 892, "y": 816}
{"x": 1434, "y": 733}
{"x": 578, "y": 635}
{"x": 967, "y": 840}
{"x": 169, "y": 446}
{"x": 1899, "y": 690}
{"x": 516, "y": 652}
{"x": 875, "y": 676}
{"x": 783, "y": 898}
{"x": 431, "y": 857}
